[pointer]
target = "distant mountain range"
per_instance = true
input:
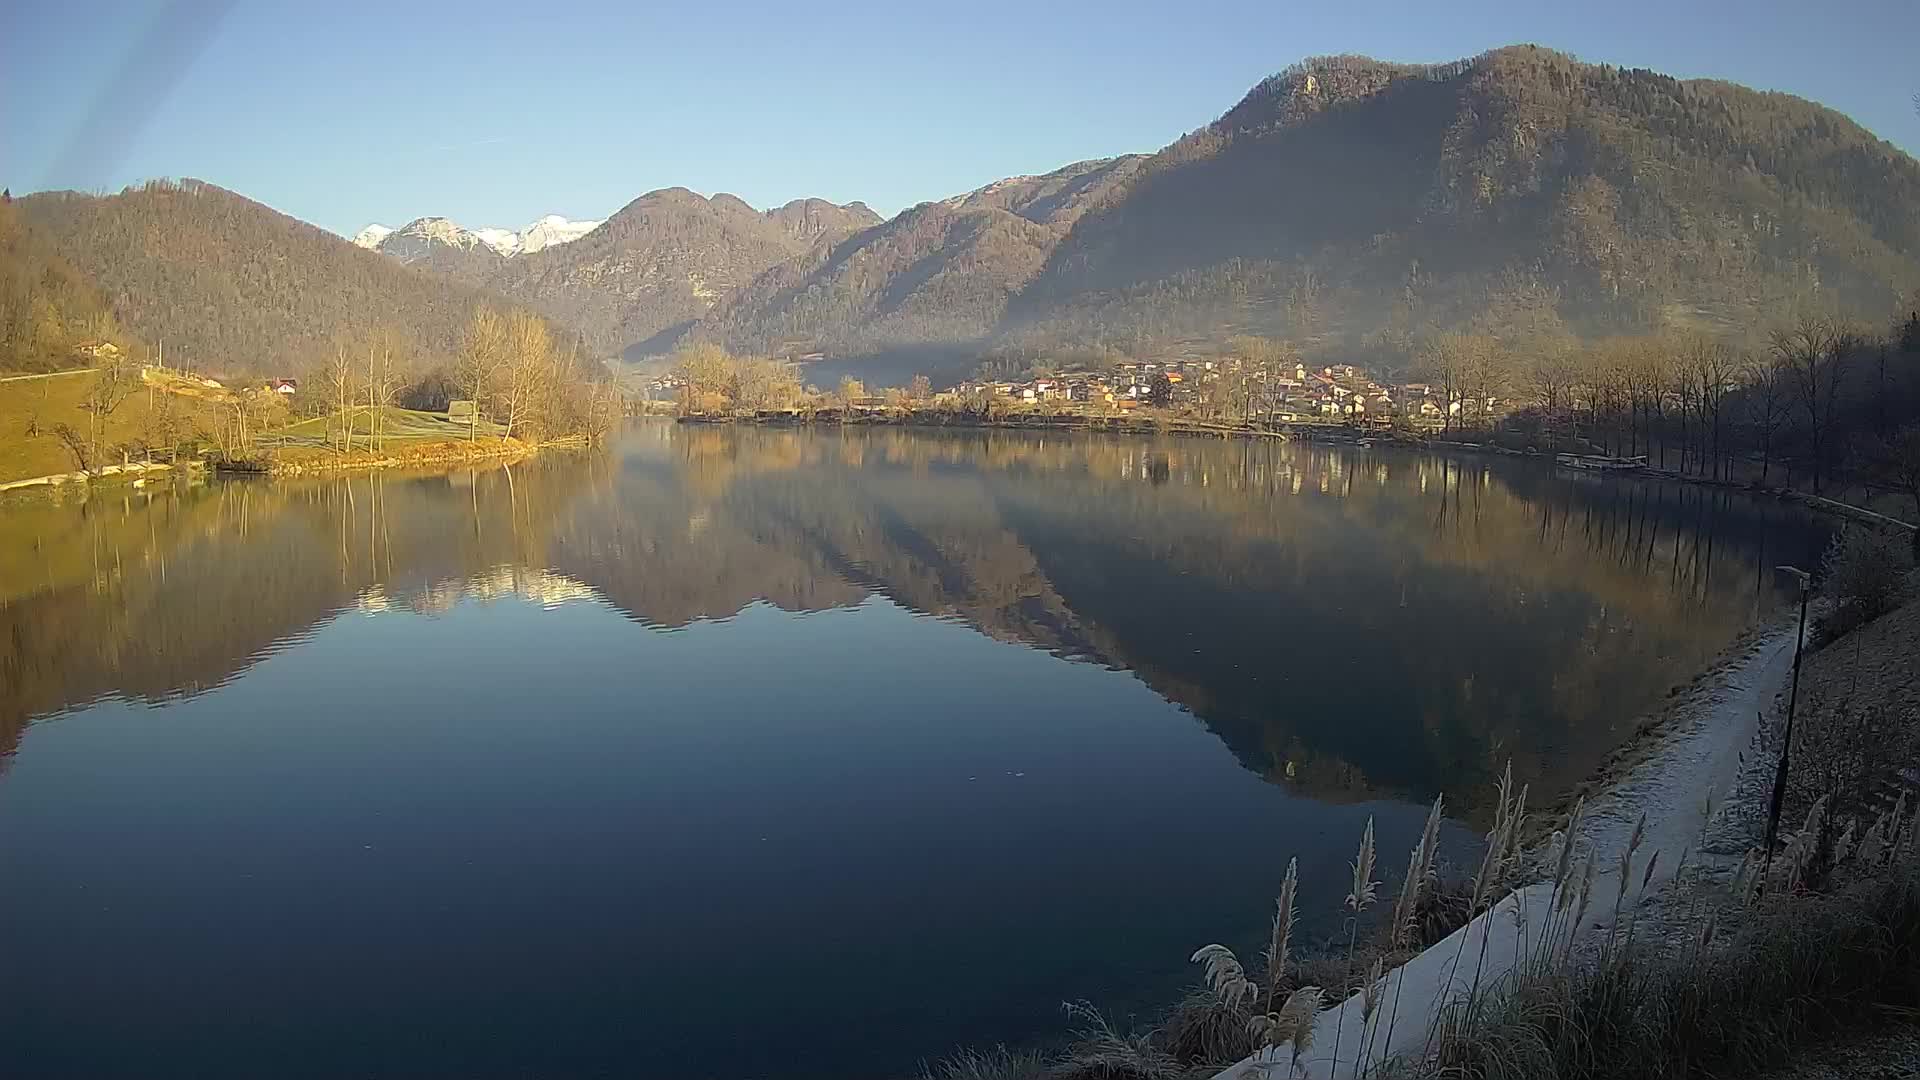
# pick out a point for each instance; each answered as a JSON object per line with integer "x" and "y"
{"x": 661, "y": 264}
{"x": 667, "y": 260}
{"x": 417, "y": 237}
{"x": 938, "y": 274}
{"x": 1348, "y": 204}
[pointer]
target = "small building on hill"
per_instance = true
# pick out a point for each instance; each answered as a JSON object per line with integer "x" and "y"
{"x": 286, "y": 387}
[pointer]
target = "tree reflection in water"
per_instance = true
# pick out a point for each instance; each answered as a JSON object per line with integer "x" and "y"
{"x": 1349, "y": 621}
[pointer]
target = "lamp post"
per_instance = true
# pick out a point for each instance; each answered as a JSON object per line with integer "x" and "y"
{"x": 1793, "y": 697}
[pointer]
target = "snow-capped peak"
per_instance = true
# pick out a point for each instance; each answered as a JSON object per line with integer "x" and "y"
{"x": 553, "y": 229}
{"x": 504, "y": 241}
{"x": 413, "y": 239}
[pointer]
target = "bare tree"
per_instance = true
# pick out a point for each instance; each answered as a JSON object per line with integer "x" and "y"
{"x": 1459, "y": 364}
{"x": 529, "y": 361}
{"x": 765, "y": 383}
{"x": 1898, "y": 460}
{"x": 385, "y": 375}
{"x": 1768, "y": 404}
{"x": 709, "y": 378}
{"x": 79, "y": 447}
{"x": 1552, "y": 376}
{"x": 1815, "y": 351}
{"x": 1708, "y": 371}
{"x": 851, "y": 391}
{"x": 484, "y": 355}
{"x": 114, "y": 381}
{"x": 337, "y": 377}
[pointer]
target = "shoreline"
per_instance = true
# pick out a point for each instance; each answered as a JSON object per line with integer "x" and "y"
{"x": 1652, "y": 728}
{"x": 321, "y": 461}
{"x": 1304, "y": 431}
{"x": 939, "y": 420}
{"x": 1694, "y": 743}
{"x": 132, "y": 471}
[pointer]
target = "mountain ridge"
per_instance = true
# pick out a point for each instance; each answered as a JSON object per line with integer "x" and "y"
{"x": 232, "y": 285}
{"x": 1627, "y": 194}
{"x": 666, "y": 259}
{"x": 1354, "y": 205}
{"x": 1351, "y": 205}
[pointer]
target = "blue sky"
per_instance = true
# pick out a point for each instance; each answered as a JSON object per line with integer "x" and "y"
{"x": 491, "y": 114}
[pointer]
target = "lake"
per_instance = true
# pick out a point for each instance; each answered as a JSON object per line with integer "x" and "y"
{"x": 779, "y": 753}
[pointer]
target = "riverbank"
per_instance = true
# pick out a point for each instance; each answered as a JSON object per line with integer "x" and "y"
{"x": 1671, "y": 821}
{"x": 1681, "y": 801}
{"x": 135, "y": 472}
{"x": 1012, "y": 421}
{"x": 1309, "y": 431}
{"x": 1703, "y": 738}
{"x": 307, "y": 460}
{"x": 1688, "y": 749}
{"x": 1728, "y": 971}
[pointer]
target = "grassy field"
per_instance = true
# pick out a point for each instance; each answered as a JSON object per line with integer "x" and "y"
{"x": 37, "y": 404}
{"x": 44, "y": 401}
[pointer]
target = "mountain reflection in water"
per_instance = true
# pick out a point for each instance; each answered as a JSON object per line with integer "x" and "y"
{"x": 550, "y": 769}
{"x": 1351, "y": 621}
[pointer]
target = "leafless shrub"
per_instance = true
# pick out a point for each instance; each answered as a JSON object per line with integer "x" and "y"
{"x": 1865, "y": 573}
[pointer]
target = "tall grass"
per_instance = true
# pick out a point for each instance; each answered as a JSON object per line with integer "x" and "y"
{"x": 1288, "y": 1024}
{"x": 1832, "y": 943}
{"x": 1802, "y": 967}
{"x": 998, "y": 1063}
{"x": 1358, "y": 900}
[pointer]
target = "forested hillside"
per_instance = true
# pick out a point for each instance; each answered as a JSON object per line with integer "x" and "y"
{"x": 1353, "y": 207}
{"x": 48, "y": 309}
{"x": 940, "y": 273}
{"x": 1358, "y": 207}
{"x": 665, "y": 260}
{"x": 230, "y": 285}
{"x": 1359, "y": 202}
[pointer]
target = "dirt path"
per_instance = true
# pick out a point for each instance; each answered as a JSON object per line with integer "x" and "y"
{"x": 44, "y": 375}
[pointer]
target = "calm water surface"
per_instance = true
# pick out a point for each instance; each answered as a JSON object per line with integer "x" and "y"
{"x": 776, "y": 754}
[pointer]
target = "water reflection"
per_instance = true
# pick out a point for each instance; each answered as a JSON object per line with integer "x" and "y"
{"x": 1350, "y": 622}
{"x": 531, "y": 770}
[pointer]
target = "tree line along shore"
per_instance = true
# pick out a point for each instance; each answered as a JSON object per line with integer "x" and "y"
{"x": 1824, "y": 406}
